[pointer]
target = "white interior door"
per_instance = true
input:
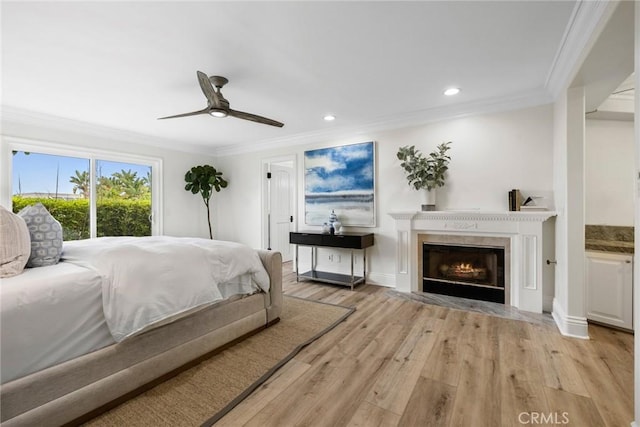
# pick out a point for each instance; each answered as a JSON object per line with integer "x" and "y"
{"x": 281, "y": 208}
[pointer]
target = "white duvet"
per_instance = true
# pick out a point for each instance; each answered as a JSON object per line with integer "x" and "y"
{"x": 49, "y": 315}
{"x": 154, "y": 280}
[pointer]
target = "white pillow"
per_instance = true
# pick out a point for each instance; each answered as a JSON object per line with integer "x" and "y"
{"x": 15, "y": 243}
{"x": 46, "y": 235}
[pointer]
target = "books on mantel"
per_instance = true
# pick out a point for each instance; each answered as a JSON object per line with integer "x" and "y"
{"x": 515, "y": 200}
{"x": 516, "y": 203}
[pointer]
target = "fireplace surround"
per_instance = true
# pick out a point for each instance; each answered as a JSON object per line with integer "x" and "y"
{"x": 527, "y": 239}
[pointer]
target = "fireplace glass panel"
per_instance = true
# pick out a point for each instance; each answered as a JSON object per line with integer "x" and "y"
{"x": 479, "y": 266}
{"x": 464, "y": 271}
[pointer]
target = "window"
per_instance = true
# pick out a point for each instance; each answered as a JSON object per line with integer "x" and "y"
{"x": 59, "y": 183}
{"x": 123, "y": 199}
{"x": 91, "y": 194}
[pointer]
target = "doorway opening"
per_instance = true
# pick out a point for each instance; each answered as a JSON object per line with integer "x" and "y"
{"x": 279, "y": 204}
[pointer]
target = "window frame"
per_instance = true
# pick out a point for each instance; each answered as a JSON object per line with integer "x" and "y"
{"x": 11, "y": 144}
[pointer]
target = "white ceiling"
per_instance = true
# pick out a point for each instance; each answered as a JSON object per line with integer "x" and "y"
{"x": 122, "y": 65}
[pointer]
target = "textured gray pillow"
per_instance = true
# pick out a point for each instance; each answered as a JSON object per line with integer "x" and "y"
{"x": 46, "y": 235}
{"x": 15, "y": 245}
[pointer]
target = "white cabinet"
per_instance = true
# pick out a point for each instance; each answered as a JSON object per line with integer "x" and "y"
{"x": 610, "y": 288}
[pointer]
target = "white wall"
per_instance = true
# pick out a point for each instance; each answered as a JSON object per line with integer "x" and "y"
{"x": 491, "y": 154}
{"x": 184, "y": 214}
{"x": 609, "y": 172}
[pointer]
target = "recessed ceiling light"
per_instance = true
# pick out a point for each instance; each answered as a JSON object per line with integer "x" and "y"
{"x": 329, "y": 117}
{"x": 452, "y": 91}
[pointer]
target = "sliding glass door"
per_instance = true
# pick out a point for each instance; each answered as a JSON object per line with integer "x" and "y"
{"x": 90, "y": 196}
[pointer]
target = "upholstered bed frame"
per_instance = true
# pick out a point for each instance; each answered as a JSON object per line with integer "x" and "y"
{"x": 66, "y": 392}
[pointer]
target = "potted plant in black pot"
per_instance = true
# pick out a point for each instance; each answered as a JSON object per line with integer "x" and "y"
{"x": 425, "y": 173}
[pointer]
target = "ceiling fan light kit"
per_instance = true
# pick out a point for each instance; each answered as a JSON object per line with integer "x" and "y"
{"x": 218, "y": 113}
{"x": 452, "y": 91}
{"x": 217, "y": 105}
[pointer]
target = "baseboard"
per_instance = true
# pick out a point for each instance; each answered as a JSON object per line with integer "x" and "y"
{"x": 382, "y": 279}
{"x": 634, "y": 424}
{"x": 570, "y": 326}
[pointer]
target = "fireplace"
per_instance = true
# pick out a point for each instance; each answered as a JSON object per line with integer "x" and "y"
{"x": 527, "y": 239}
{"x": 476, "y": 272}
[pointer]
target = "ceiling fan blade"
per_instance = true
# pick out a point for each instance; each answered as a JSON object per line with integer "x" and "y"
{"x": 208, "y": 90}
{"x": 254, "y": 118}
{"x": 193, "y": 113}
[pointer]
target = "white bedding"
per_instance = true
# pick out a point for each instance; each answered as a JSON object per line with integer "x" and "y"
{"x": 152, "y": 280}
{"x": 56, "y": 313}
{"x": 50, "y": 315}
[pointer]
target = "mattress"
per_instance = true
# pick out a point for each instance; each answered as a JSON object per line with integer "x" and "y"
{"x": 49, "y": 315}
{"x": 53, "y": 314}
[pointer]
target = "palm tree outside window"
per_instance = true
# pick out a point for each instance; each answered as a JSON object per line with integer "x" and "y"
{"x": 123, "y": 193}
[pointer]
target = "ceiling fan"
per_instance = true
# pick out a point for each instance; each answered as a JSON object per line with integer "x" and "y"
{"x": 217, "y": 105}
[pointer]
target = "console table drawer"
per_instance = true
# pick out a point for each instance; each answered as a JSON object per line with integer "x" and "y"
{"x": 314, "y": 239}
{"x": 346, "y": 241}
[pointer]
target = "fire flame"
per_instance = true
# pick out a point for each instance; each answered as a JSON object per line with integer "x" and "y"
{"x": 464, "y": 268}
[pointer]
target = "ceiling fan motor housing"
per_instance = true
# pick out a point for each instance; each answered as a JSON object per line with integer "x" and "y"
{"x": 218, "y": 81}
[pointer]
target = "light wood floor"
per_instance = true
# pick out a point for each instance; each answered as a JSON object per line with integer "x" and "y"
{"x": 396, "y": 362}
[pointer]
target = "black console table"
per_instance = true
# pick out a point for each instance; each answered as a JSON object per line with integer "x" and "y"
{"x": 353, "y": 241}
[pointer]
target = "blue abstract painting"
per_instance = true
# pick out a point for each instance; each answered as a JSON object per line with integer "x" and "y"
{"x": 340, "y": 179}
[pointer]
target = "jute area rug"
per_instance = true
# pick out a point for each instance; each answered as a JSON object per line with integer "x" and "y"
{"x": 204, "y": 393}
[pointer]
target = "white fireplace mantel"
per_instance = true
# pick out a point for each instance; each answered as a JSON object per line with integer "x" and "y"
{"x": 531, "y": 242}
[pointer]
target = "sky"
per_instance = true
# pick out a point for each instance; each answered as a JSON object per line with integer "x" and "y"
{"x": 36, "y": 173}
{"x": 348, "y": 168}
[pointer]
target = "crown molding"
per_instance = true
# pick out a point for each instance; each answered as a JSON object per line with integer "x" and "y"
{"x": 521, "y": 100}
{"x": 628, "y": 96}
{"x": 585, "y": 24}
{"x": 17, "y": 116}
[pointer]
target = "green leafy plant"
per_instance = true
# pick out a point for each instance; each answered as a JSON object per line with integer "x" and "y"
{"x": 425, "y": 172}
{"x": 115, "y": 217}
{"x": 203, "y": 180}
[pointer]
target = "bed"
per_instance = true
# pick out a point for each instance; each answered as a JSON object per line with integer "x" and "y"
{"x": 74, "y": 339}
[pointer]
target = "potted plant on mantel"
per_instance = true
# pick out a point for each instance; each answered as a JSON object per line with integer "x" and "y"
{"x": 203, "y": 180}
{"x": 425, "y": 173}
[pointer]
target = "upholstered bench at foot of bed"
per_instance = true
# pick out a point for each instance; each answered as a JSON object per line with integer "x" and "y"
{"x": 69, "y": 390}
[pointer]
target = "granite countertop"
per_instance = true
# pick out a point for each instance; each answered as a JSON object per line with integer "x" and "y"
{"x": 609, "y": 238}
{"x": 609, "y": 246}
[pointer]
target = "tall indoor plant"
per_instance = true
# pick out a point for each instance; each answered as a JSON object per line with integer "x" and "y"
{"x": 204, "y": 179}
{"x": 425, "y": 173}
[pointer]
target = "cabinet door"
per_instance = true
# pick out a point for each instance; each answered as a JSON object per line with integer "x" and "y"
{"x": 609, "y": 288}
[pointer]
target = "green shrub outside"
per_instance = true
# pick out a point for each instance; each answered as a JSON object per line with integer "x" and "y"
{"x": 73, "y": 215}
{"x": 123, "y": 217}
{"x": 115, "y": 217}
